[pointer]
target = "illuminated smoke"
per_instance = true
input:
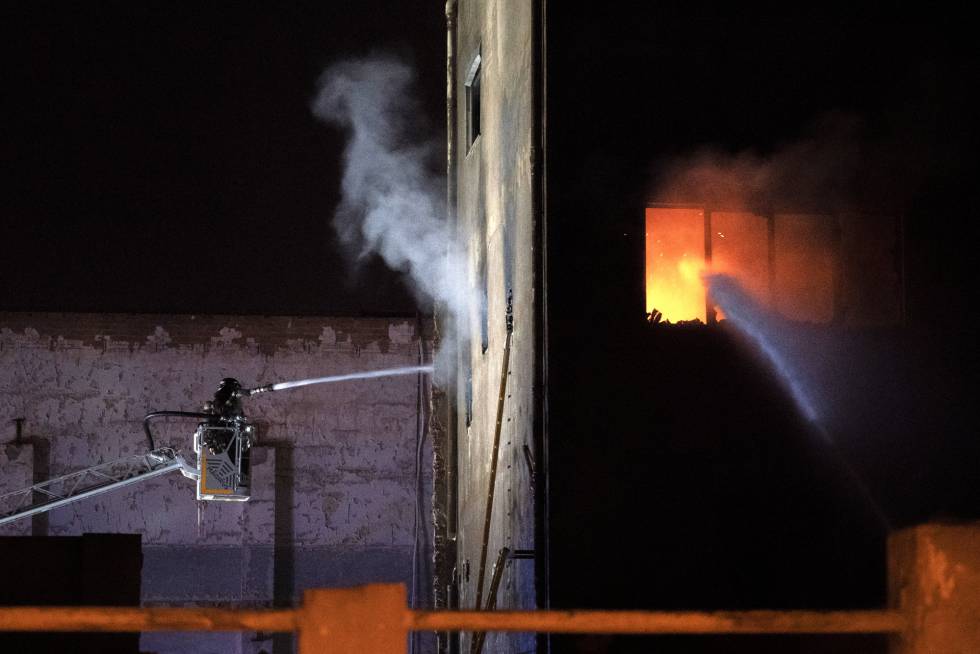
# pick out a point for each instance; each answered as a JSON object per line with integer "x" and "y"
{"x": 834, "y": 166}
{"x": 392, "y": 204}
{"x": 837, "y": 181}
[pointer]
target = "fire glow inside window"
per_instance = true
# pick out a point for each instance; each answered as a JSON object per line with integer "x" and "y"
{"x": 675, "y": 260}
{"x": 806, "y": 267}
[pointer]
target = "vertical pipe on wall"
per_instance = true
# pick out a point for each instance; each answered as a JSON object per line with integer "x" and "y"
{"x": 443, "y": 415}
{"x": 451, "y": 150}
{"x": 419, "y": 540}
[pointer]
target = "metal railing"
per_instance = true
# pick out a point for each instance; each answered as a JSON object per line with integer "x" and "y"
{"x": 375, "y": 619}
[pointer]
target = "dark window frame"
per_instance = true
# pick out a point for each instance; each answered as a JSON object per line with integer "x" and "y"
{"x": 770, "y": 216}
{"x": 473, "y": 93}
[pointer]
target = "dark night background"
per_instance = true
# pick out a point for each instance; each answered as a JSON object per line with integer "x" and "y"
{"x": 680, "y": 473}
{"x": 164, "y": 159}
{"x": 627, "y": 95}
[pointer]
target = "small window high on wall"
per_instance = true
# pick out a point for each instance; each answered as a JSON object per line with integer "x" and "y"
{"x": 807, "y": 267}
{"x": 473, "y": 101}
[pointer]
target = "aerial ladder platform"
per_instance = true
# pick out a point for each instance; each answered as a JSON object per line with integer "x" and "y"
{"x": 222, "y": 443}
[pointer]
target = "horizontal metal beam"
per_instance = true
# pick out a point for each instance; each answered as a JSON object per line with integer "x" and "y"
{"x": 662, "y": 622}
{"x": 596, "y": 622}
{"x": 123, "y": 619}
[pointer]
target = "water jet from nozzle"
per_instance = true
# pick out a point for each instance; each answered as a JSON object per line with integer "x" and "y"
{"x": 367, "y": 374}
{"x": 763, "y": 328}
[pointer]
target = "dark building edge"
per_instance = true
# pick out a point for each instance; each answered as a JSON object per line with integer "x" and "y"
{"x": 539, "y": 212}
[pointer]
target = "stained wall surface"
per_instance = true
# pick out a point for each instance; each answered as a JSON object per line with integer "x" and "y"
{"x": 934, "y": 576}
{"x": 334, "y": 484}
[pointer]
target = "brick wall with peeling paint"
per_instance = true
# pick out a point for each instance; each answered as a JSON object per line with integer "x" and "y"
{"x": 333, "y": 471}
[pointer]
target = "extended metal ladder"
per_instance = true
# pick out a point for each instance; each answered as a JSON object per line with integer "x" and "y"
{"x": 78, "y": 485}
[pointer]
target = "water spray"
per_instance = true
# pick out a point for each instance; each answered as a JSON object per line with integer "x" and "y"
{"x": 753, "y": 321}
{"x": 222, "y": 441}
{"x": 370, "y": 374}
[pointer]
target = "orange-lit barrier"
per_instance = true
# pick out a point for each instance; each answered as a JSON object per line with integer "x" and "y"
{"x": 375, "y": 619}
{"x": 654, "y": 622}
{"x": 98, "y": 618}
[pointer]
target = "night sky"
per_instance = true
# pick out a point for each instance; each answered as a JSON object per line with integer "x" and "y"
{"x": 164, "y": 159}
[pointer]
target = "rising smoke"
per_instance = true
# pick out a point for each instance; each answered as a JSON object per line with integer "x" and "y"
{"x": 837, "y": 166}
{"x": 392, "y": 204}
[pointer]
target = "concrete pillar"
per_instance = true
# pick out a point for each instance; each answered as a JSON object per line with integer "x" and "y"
{"x": 16, "y": 472}
{"x": 934, "y": 578}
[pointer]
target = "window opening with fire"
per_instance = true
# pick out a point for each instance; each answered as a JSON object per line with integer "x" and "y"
{"x": 806, "y": 267}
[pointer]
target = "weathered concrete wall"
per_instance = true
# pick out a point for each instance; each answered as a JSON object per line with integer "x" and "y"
{"x": 333, "y": 472}
{"x": 495, "y": 220}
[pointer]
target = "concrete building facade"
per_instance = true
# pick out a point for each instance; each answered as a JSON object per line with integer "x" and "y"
{"x": 671, "y": 466}
{"x": 492, "y": 154}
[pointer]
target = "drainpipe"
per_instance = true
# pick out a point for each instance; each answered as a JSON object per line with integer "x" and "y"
{"x": 444, "y": 439}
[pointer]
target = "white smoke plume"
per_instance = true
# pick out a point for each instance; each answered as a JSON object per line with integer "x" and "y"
{"x": 392, "y": 204}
